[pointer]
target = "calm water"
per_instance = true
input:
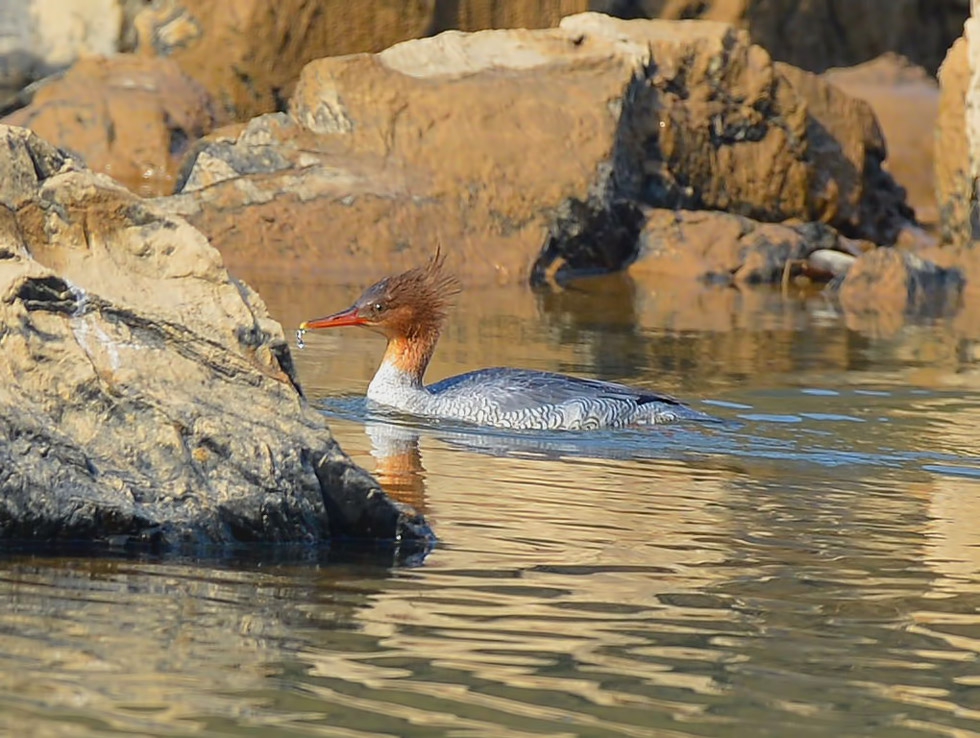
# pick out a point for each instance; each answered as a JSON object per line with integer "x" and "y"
{"x": 811, "y": 567}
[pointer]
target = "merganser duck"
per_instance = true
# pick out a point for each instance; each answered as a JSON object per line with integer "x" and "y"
{"x": 409, "y": 310}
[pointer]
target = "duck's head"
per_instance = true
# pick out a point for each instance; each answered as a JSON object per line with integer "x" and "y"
{"x": 405, "y": 305}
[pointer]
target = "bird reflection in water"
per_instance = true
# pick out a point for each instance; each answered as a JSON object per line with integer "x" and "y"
{"x": 398, "y": 461}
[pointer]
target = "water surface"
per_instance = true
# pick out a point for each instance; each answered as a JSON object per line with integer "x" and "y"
{"x": 810, "y": 567}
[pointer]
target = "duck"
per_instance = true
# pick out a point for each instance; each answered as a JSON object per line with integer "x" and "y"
{"x": 410, "y": 310}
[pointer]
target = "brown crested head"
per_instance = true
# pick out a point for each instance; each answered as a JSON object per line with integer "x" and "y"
{"x": 405, "y": 305}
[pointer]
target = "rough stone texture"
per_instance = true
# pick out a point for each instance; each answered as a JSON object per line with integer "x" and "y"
{"x": 850, "y": 189}
{"x": 146, "y": 395}
{"x": 248, "y": 53}
{"x": 818, "y": 34}
{"x": 893, "y": 87}
{"x": 129, "y": 117}
{"x": 264, "y": 45}
{"x": 453, "y": 139}
{"x": 890, "y": 281}
{"x": 723, "y": 248}
{"x": 38, "y": 37}
{"x": 955, "y": 189}
{"x": 958, "y": 138}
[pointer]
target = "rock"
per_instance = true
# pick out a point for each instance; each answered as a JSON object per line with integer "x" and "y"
{"x": 263, "y": 46}
{"x": 823, "y": 33}
{"x": 828, "y": 263}
{"x": 892, "y": 86}
{"x": 453, "y": 139}
{"x": 850, "y": 189}
{"x": 955, "y": 184}
{"x": 147, "y": 395}
{"x": 723, "y": 248}
{"x": 130, "y": 117}
{"x": 39, "y": 37}
{"x": 888, "y": 281}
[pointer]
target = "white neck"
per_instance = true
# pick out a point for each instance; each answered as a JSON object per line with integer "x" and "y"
{"x": 397, "y": 388}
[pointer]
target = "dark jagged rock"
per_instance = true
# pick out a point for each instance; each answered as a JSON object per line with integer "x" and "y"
{"x": 147, "y": 397}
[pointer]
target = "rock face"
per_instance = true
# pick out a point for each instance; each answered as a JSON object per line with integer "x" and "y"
{"x": 500, "y": 141}
{"x": 130, "y": 117}
{"x": 147, "y": 396}
{"x": 263, "y": 46}
{"x": 892, "y": 281}
{"x": 721, "y": 248}
{"x": 957, "y": 142}
{"x": 893, "y": 87}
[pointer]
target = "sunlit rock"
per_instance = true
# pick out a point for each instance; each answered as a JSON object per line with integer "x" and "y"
{"x": 720, "y": 248}
{"x": 497, "y": 142}
{"x": 147, "y": 396}
{"x": 892, "y": 284}
{"x": 892, "y": 86}
{"x": 130, "y": 117}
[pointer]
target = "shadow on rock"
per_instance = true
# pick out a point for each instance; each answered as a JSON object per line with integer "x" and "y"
{"x": 148, "y": 398}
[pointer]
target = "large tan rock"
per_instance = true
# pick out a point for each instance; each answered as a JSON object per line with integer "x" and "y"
{"x": 132, "y": 118}
{"x": 887, "y": 285}
{"x": 721, "y": 248}
{"x": 850, "y": 188}
{"x": 264, "y": 45}
{"x": 497, "y": 142}
{"x": 146, "y": 395}
{"x": 954, "y": 167}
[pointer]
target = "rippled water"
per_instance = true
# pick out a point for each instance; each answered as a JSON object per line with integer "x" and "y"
{"x": 809, "y": 567}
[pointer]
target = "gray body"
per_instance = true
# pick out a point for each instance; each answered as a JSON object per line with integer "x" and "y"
{"x": 525, "y": 399}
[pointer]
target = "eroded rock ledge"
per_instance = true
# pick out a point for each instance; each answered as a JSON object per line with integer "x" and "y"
{"x": 578, "y": 138}
{"x": 147, "y": 396}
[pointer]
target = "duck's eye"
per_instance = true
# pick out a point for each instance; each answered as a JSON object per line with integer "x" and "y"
{"x": 378, "y": 307}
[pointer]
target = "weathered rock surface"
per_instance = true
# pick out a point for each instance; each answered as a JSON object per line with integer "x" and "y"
{"x": 893, "y": 282}
{"x": 146, "y": 394}
{"x": 264, "y": 46}
{"x": 500, "y": 141}
{"x": 130, "y": 117}
{"x": 893, "y": 87}
{"x": 721, "y": 248}
{"x": 957, "y": 140}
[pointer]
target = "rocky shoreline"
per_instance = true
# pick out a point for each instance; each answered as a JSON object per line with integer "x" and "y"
{"x": 148, "y": 398}
{"x": 574, "y": 146}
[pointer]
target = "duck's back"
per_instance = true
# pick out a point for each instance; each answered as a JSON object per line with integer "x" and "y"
{"x": 530, "y": 399}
